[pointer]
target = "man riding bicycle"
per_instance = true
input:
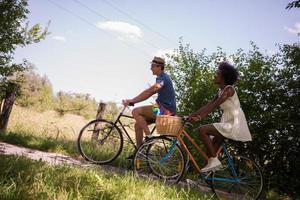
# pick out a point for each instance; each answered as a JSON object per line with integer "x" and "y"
{"x": 165, "y": 101}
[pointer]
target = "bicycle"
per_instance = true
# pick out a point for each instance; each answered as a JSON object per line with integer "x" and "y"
{"x": 101, "y": 141}
{"x": 163, "y": 158}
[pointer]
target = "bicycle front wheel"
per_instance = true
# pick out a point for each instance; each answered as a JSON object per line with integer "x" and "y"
{"x": 239, "y": 178}
{"x": 160, "y": 158}
{"x": 100, "y": 142}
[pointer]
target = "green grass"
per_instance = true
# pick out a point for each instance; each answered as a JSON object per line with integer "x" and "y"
{"x": 21, "y": 178}
{"x": 49, "y": 144}
{"x": 64, "y": 146}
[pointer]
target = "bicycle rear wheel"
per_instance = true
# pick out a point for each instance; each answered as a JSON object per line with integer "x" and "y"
{"x": 243, "y": 180}
{"x": 100, "y": 142}
{"x": 160, "y": 158}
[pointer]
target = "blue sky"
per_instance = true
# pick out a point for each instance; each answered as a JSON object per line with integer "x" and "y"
{"x": 103, "y": 47}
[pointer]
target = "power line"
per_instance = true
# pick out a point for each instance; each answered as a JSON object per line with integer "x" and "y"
{"x": 91, "y": 24}
{"x": 138, "y": 21}
{"x": 106, "y": 18}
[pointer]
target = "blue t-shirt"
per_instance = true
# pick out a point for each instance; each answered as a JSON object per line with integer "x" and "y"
{"x": 166, "y": 94}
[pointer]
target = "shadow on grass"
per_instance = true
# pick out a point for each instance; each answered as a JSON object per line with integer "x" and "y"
{"x": 49, "y": 144}
{"x": 66, "y": 147}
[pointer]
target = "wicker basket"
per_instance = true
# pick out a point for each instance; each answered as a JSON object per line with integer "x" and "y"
{"x": 168, "y": 125}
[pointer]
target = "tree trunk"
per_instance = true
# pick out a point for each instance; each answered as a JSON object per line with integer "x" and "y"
{"x": 100, "y": 114}
{"x": 6, "y": 109}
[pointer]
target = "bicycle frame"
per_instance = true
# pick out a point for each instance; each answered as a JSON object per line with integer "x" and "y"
{"x": 180, "y": 137}
{"x": 118, "y": 121}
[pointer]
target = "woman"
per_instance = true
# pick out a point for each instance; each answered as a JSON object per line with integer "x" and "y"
{"x": 233, "y": 123}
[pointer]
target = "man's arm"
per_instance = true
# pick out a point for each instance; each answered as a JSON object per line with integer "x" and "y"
{"x": 144, "y": 95}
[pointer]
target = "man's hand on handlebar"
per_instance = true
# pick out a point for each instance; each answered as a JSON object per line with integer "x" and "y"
{"x": 127, "y": 102}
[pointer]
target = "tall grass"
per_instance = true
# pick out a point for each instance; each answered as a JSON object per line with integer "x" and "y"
{"x": 45, "y": 124}
{"x": 48, "y": 131}
{"x": 21, "y": 178}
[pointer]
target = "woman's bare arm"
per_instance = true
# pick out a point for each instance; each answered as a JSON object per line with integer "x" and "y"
{"x": 195, "y": 114}
{"x": 205, "y": 110}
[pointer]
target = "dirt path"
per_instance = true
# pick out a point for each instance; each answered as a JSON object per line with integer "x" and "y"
{"x": 60, "y": 159}
{"x": 51, "y": 158}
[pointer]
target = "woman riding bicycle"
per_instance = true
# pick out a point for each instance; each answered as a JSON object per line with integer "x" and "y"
{"x": 233, "y": 123}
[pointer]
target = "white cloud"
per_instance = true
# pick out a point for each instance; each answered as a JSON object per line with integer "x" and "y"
{"x": 123, "y": 29}
{"x": 59, "y": 38}
{"x": 295, "y": 29}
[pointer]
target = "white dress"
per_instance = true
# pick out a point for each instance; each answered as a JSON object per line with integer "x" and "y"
{"x": 233, "y": 123}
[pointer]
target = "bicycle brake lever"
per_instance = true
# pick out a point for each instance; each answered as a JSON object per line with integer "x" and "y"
{"x": 185, "y": 118}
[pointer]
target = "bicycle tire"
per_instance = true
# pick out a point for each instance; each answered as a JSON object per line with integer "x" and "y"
{"x": 246, "y": 170}
{"x": 103, "y": 150}
{"x": 150, "y": 154}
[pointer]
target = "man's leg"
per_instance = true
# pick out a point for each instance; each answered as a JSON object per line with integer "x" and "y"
{"x": 141, "y": 125}
{"x": 138, "y": 134}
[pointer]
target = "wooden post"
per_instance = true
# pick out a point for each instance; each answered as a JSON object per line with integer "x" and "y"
{"x": 6, "y": 109}
{"x": 100, "y": 114}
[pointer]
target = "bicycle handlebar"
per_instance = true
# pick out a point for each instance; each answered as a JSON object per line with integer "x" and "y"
{"x": 186, "y": 122}
{"x": 131, "y": 104}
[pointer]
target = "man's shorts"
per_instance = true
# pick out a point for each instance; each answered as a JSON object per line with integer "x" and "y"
{"x": 147, "y": 113}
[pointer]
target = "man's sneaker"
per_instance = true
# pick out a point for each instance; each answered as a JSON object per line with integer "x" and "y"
{"x": 148, "y": 137}
{"x": 213, "y": 164}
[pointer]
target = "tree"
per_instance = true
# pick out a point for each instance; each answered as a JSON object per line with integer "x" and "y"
{"x": 293, "y": 4}
{"x": 35, "y": 92}
{"x": 75, "y": 103}
{"x": 269, "y": 93}
{"x": 14, "y": 32}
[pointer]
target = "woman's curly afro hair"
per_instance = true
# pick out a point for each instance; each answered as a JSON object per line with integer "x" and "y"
{"x": 228, "y": 72}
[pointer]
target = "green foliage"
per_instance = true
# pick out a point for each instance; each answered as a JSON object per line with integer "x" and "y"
{"x": 36, "y": 92}
{"x": 269, "y": 93}
{"x": 80, "y": 104}
{"x": 13, "y": 33}
{"x": 293, "y": 4}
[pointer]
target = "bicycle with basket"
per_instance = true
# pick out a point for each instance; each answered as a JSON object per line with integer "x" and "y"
{"x": 167, "y": 157}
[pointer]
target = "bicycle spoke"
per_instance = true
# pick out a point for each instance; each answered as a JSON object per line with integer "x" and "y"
{"x": 249, "y": 176}
{"x": 155, "y": 158}
{"x": 100, "y": 142}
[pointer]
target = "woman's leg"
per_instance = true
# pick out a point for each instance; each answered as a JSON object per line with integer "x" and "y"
{"x": 217, "y": 141}
{"x": 205, "y": 131}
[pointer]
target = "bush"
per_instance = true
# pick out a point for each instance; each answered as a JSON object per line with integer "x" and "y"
{"x": 269, "y": 95}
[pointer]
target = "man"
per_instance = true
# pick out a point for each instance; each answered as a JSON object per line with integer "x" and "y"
{"x": 165, "y": 100}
